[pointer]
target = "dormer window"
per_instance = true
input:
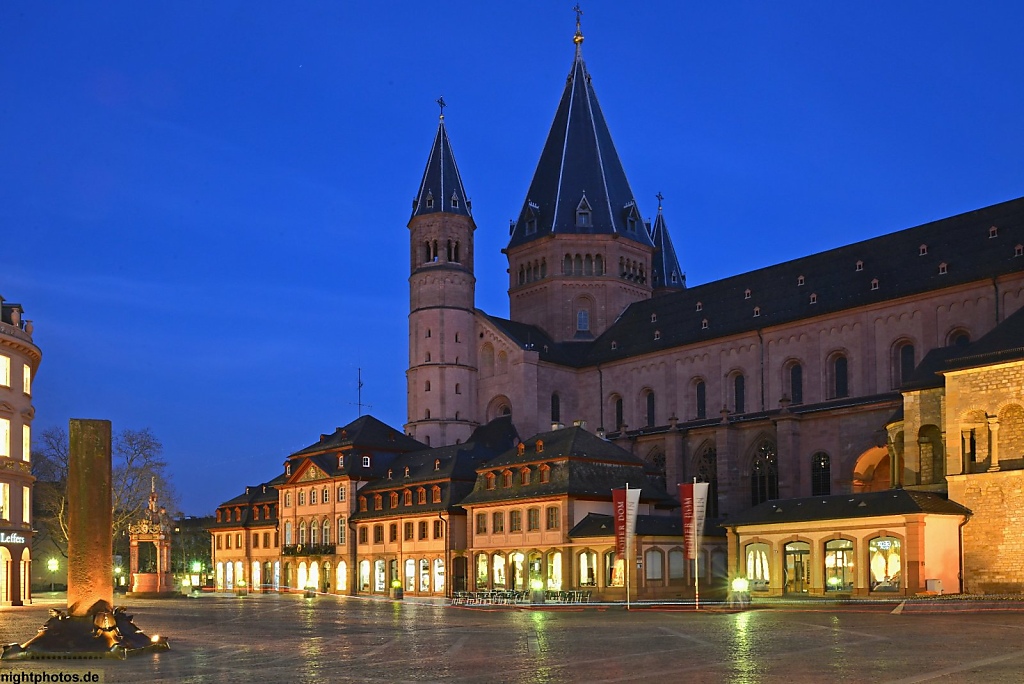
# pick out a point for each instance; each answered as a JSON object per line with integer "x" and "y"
{"x": 874, "y": 283}
{"x": 341, "y": 461}
{"x": 389, "y": 473}
{"x": 657, "y": 335}
{"x": 615, "y": 345}
{"x": 539, "y": 446}
{"x": 654, "y": 318}
{"x": 814, "y": 298}
{"x": 675, "y": 277}
{"x": 406, "y": 471}
{"x": 393, "y": 499}
{"x": 489, "y": 480}
{"x": 700, "y": 306}
{"x": 378, "y": 502}
{"x": 704, "y": 324}
{"x": 757, "y": 311}
{"x": 430, "y": 200}
{"x": 799, "y": 281}
{"x": 531, "y": 226}
{"x": 993, "y": 232}
{"x": 1018, "y": 251}
{"x": 366, "y": 461}
{"x": 922, "y": 250}
{"x": 860, "y": 266}
{"x": 583, "y": 214}
{"x": 942, "y": 268}
{"x": 746, "y": 293}
{"x": 632, "y": 217}
{"x": 455, "y": 202}
{"x": 288, "y": 469}
{"x": 437, "y": 464}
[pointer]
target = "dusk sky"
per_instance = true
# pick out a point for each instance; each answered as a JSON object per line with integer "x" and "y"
{"x": 204, "y": 204}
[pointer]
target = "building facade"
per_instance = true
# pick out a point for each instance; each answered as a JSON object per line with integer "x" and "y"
{"x": 777, "y": 384}
{"x": 19, "y": 361}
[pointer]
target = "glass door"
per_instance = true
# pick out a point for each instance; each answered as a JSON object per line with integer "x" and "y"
{"x": 798, "y": 555}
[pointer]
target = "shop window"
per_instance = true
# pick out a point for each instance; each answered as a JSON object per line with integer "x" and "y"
{"x": 614, "y": 570}
{"x": 885, "y": 564}
{"x": 481, "y": 571}
{"x": 839, "y": 565}
{"x": 498, "y": 568}
{"x": 758, "y": 567}
{"x": 676, "y": 567}
{"x": 588, "y": 569}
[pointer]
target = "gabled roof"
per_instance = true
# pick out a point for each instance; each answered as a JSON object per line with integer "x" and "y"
{"x": 845, "y": 506}
{"x": 581, "y": 465}
{"x": 441, "y": 189}
{"x": 665, "y": 270}
{"x": 579, "y": 169}
{"x": 365, "y": 432}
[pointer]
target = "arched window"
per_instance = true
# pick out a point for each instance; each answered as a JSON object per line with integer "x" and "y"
{"x": 796, "y": 383}
{"x": 903, "y": 363}
{"x": 764, "y": 475}
{"x": 821, "y": 474}
{"x": 739, "y": 393}
{"x": 654, "y": 561}
{"x": 958, "y": 338}
{"x": 840, "y": 377}
{"x": 302, "y": 532}
{"x": 707, "y": 471}
{"x": 314, "y": 533}
{"x": 567, "y": 265}
{"x": 598, "y": 265}
{"x": 650, "y": 408}
{"x": 656, "y": 459}
{"x": 556, "y": 408}
{"x": 583, "y": 320}
{"x": 701, "y": 391}
{"x": 288, "y": 533}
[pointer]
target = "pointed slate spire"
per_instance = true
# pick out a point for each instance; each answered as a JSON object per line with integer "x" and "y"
{"x": 579, "y": 186}
{"x": 441, "y": 189}
{"x": 666, "y": 275}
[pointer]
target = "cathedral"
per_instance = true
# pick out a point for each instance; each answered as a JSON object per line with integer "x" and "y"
{"x": 858, "y": 414}
{"x": 813, "y": 377}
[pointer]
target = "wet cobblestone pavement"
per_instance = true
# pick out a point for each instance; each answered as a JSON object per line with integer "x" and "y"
{"x": 273, "y": 638}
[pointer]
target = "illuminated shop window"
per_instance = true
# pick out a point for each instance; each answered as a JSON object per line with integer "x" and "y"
{"x": 498, "y": 564}
{"x": 885, "y": 564}
{"x": 758, "y": 569}
{"x": 588, "y": 569}
{"x": 839, "y": 565}
{"x": 481, "y": 570}
{"x": 614, "y": 570}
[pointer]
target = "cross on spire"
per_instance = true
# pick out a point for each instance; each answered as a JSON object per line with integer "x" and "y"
{"x": 660, "y": 197}
{"x": 578, "y": 38}
{"x": 442, "y": 104}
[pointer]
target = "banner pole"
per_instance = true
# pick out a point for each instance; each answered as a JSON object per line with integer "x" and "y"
{"x": 625, "y": 563}
{"x": 696, "y": 556}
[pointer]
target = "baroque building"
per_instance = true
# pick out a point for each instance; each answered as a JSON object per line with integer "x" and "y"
{"x": 19, "y": 361}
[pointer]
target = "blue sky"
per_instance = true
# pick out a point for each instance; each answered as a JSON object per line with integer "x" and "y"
{"x": 203, "y": 204}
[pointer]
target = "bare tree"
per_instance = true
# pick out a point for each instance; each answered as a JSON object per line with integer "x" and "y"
{"x": 137, "y": 463}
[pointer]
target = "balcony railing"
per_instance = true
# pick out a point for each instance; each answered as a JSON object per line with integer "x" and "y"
{"x": 308, "y": 550}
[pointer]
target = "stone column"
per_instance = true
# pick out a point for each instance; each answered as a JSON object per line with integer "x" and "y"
{"x": 993, "y": 432}
{"x": 90, "y": 519}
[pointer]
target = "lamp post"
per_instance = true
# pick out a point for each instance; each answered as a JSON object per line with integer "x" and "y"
{"x": 52, "y": 566}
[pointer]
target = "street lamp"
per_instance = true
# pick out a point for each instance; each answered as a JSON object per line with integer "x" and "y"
{"x": 52, "y": 566}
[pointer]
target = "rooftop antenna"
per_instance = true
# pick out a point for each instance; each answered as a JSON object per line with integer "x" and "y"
{"x": 359, "y": 392}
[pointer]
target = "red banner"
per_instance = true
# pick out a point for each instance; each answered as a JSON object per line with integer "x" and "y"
{"x": 619, "y": 508}
{"x": 694, "y": 498}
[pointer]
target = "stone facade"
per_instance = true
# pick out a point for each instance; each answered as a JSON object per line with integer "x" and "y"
{"x": 993, "y": 539}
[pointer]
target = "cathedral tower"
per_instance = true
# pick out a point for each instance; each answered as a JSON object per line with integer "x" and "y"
{"x": 442, "y": 355}
{"x": 579, "y": 252}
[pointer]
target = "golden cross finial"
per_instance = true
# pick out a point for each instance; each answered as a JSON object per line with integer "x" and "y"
{"x": 441, "y": 103}
{"x": 578, "y": 38}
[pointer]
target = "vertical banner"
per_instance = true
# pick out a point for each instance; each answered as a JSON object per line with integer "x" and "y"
{"x": 625, "y": 503}
{"x": 694, "y": 498}
{"x": 619, "y": 507}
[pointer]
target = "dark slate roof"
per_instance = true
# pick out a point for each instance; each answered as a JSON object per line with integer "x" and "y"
{"x": 263, "y": 493}
{"x": 845, "y": 506}
{"x": 451, "y": 467}
{"x": 441, "y": 181}
{"x": 1003, "y": 343}
{"x": 365, "y": 432}
{"x": 582, "y": 465}
{"x": 599, "y": 525}
{"x": 579, "y": 164}
{"x": 962, "y": 242}
{"x": 665, "y": 270}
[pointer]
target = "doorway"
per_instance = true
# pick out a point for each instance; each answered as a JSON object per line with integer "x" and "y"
{"x": 798, "y": 566}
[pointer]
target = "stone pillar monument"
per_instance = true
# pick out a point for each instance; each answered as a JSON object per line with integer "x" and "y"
{"x": 90, "y": 519}
{"x": 91, "y": 627}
